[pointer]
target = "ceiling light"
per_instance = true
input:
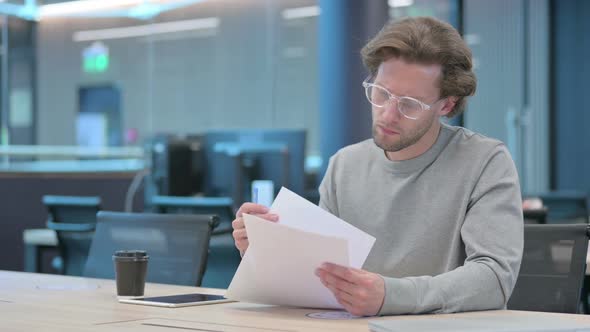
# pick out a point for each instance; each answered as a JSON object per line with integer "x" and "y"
{"x": 146, "y": 30}
{"x": 300, "y": 12}
{"x": 83, "y": 6}
{"x": 400, "y": 3}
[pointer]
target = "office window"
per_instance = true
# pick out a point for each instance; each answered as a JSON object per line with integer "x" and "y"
{"x": 212, "y": 64}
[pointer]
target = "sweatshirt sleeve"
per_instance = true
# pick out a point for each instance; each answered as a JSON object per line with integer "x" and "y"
{"x": 327, "y": 189}
{"x": 492, "y": 233}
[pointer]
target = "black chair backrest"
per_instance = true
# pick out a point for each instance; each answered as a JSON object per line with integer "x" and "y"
{"x": 224, "y": 258}
{"x": 535, "y": 216}
{"x": 219, "y": 206}
{"x": 73, "y": 218}
{"x": 552, "y": 270}
{"x": 176, "y": 244}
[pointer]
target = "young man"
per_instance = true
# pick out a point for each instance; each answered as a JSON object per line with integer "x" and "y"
{"x": 443, "y": 202}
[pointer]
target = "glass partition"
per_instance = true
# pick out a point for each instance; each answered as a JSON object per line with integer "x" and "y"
{"x": 118, "y": 72}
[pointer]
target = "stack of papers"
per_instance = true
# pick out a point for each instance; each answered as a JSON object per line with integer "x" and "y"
{"x": 278, "y": 267}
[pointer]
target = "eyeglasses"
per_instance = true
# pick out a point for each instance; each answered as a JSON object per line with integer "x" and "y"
{"x": 409, "y": 107}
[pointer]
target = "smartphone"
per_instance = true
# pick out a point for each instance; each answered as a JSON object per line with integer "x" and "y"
{"x": 174, "y": 301}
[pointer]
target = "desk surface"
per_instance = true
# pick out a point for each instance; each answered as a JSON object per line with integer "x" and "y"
{"x": 41, "y": 302}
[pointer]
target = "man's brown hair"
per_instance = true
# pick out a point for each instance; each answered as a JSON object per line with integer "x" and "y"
{"x": 426, "y": 40}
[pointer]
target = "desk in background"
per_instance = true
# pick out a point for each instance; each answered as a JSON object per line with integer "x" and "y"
{"x": 21, "y": 207}
{"x": 40, "y": 302}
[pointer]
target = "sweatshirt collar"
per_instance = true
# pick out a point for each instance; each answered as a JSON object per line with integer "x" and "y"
{"x": 419, "y": 162}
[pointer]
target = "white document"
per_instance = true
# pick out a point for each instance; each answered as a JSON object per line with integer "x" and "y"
{"x": 297, "y": 212}
{"x": 278, "y": 267}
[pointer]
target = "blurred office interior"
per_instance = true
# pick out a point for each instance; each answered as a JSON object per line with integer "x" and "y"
{"x": 148, "y": 104}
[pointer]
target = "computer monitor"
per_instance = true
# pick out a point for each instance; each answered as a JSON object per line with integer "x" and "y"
{"x": 176, "y": 165}
{"x": 235, "y": 158}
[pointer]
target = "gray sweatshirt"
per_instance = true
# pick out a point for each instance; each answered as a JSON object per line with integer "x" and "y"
{"x": 448, "y": 223}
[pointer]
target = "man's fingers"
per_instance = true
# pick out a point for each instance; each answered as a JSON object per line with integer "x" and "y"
{"x": 238, "y": 223}
{"x": 340, "y": 294}
{"x": 360, "y": 292}
{"x": 239, "y": 234}
{"x": 242, "y": 244}
{"x": 335, "y": 283}
{"x": 345, "y": 299}
{"x": 266, "y": 216}
{"x": 239, "y": 228}
{"x": 269, "y": 216}
{"x": 251, "y": 208}
{"x": 349, "y": 274}
{"x": 347, "y": 305}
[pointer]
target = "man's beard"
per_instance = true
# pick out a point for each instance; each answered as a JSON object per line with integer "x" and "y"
{"x": 404, "y": 140}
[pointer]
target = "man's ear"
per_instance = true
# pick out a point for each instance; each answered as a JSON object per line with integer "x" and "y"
{"x": 448, "y": 105}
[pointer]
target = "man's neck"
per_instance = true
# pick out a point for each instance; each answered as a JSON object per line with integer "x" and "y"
{"x": 419, "y": 147}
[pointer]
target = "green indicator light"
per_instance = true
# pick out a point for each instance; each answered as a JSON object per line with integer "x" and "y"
{"x": 101, "y": 63}
{"x": 89, "y": 65}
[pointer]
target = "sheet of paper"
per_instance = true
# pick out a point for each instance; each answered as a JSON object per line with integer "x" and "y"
{"x": 278, "y": 267}
{"x": 297, "y": 212}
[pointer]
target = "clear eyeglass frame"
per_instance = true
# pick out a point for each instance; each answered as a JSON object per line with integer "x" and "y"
{"x": 399, "y": 99}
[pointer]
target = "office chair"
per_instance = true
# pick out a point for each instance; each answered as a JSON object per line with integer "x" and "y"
{"x": 553, "y": 268}
{"x": 73, "y": 218}
{"x": 223, "y": 258}
{"x": 220, "y": 206}
{"x": 568, "y": 207}
{"x": 535, "y": 216}
{"x": 176, "y": 244}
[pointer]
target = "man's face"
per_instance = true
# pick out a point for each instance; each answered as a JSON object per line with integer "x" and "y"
{"x": 392, "y": 131}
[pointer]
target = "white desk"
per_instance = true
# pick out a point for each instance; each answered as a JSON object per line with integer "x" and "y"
{"x": 40, "y": 302}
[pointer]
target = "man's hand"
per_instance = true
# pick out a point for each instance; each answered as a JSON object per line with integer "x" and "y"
{"x": 360, "y": 292}
{"x": 239, "y": 233}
